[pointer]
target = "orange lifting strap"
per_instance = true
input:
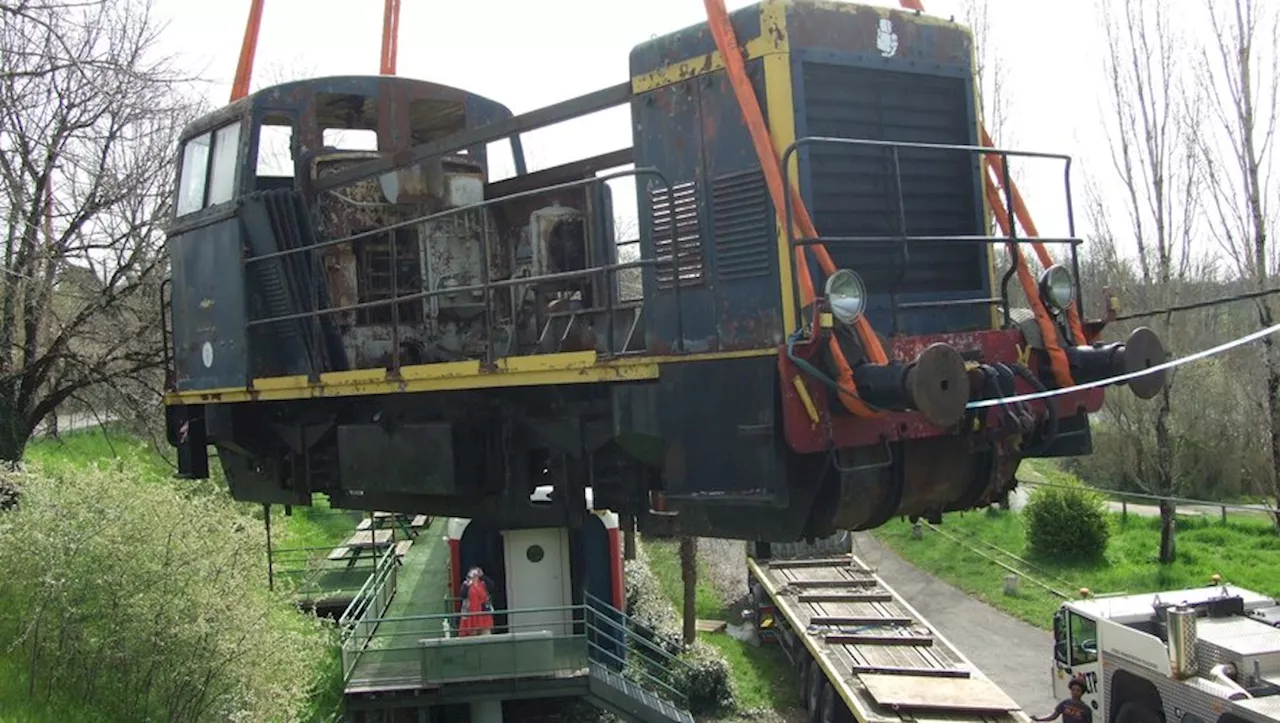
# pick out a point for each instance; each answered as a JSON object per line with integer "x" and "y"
{"x": 727, "y": 43}
{"x": 244, "y": 69}
{"x": 390, "y": 36}
{"x": 1057, "y": 356}
{"x": 249, "y": 47}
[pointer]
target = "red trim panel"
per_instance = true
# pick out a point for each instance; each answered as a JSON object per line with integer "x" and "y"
{"x": 842, "y": 430}
{"x": 615, "y": 564}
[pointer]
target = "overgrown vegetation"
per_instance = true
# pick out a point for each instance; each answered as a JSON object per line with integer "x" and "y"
{"x": 761, "y": 676}
{"x": 1244, "y": 551}
{"x": 119, "y": 446}
{"x": 140, "y": 600}
{"x": 1067, "y": 522}
{"x": 104, "y": 477}
{"x": 706, "y": 681}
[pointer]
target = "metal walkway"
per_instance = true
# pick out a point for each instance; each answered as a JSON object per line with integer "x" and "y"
{"x": 618, "y": 695}
{"x": 399, "y": 650}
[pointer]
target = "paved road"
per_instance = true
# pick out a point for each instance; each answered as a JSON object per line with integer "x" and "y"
{"x": 74, "y": 421}
{"x": 1018, "y": 500}
{"x": 1013, "y": 654}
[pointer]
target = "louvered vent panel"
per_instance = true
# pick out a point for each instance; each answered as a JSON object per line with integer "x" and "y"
{"x": 683, "y": 214}
{"x": 743, "y": 224}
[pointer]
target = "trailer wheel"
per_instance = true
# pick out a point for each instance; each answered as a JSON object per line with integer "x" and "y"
{"x": 828, "y": 704}
{"x": 802, "y": 676}
{"x": 813, "y": 699}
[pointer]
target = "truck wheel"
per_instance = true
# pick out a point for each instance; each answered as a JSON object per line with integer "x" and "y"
{"x": 1132, "y": 712}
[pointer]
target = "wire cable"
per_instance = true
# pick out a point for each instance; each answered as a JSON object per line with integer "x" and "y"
{"x": 1204, "y": 354}
{"x": 1192, "y": 306}
{"x": 1022, "y": 573}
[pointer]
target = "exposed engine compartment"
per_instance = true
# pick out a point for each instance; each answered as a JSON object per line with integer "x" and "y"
{"x": 409, "y": 234}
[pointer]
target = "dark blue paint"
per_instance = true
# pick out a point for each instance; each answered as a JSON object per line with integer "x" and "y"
{"x": 211, "y": 294}
{"x": 691, "y": 42}
{"x": 591, "y": 545}
{"x": 209, "y": 305}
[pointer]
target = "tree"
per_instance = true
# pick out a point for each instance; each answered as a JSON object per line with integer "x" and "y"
{"x": 689, "y": 575}
{"x": 1238, "y": 152}
{"x": 991, "y": 71}
{"x": 1152, "y": 126}
{"x": 88, "y": 124}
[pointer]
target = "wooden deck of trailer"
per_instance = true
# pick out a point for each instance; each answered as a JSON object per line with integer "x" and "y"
{"x": 881, "y": 657}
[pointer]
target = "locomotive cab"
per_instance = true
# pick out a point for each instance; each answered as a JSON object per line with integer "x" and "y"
{"x": 359, "y": 309}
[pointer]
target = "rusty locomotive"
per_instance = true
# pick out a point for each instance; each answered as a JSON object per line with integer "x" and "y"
{"x": 392, "y": 328}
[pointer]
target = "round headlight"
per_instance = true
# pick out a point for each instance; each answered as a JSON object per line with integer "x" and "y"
{"x": 1057, "y": 288}
{"x": 846, "y": 294}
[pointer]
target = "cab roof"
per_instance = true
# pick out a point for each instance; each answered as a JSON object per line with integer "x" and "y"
{"x": 332, "y": 100}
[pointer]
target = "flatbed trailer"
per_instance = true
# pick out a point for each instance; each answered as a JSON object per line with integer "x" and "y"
{"x": 861, "y": 652}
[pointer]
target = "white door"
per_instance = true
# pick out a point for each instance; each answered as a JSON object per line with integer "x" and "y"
{"x": 538, "y": 577}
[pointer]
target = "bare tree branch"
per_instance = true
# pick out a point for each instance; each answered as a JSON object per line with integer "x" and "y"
{"x": 89, "y": 117}
{"x": 1237, "y": 148}
{"x": 1155, "y": 114}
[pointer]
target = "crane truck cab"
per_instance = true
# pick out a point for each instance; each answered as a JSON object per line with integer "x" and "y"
{"x": 1197, "y": 655}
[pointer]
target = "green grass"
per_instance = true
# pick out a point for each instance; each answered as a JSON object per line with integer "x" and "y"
{"x": 1246, "y": 552}
{"x": 1047, "y": 471}
{"x": 107, "y": 444}
{"x": 16, "y": 706}
{"x": 762, "y": 676}
{"x": 316, "y": 526}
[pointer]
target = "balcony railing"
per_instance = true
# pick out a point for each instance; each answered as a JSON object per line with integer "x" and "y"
{"x": 559, "y": 642}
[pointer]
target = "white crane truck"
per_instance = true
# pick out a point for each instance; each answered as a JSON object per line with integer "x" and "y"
{"x": 1199, "y": 655}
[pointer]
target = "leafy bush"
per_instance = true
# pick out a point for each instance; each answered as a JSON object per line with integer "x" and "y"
{"x": 142, "y": 601}
{"x": 706, "y": 681}
{"x": 1067, "y": 521}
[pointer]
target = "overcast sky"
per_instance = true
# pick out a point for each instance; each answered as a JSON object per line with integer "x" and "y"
{"x": 528, "y": 55}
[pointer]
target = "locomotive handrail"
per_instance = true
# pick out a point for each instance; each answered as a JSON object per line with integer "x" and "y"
{"x": 646, "y": 171}
{"x": 608, "y": 271}
{"x": 1070, "y": 240}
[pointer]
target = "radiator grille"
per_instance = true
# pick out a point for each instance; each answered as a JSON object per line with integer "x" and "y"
{"x": 853, "y": 187}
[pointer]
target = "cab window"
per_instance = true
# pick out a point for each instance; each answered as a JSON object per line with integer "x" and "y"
{"x": 208, "y": 175}
{"x": 1084, "y": 639}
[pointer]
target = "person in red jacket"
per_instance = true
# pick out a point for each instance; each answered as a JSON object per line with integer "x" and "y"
{"x": 477, "y": 605}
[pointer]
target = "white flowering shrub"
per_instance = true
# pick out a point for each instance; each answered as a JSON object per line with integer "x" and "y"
{"x": 147, "y": 599}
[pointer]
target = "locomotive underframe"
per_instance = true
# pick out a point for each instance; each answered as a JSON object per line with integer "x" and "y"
{"x": 482, "y": 453}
